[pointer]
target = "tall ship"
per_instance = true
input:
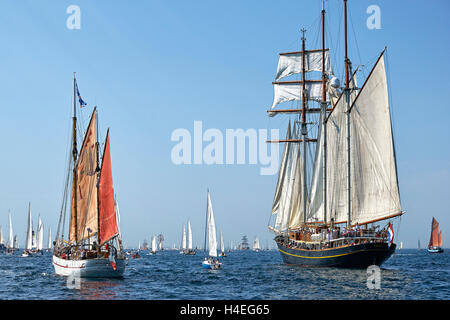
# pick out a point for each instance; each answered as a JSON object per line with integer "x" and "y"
{"x": 93, "y": 247}
{"x": 337, "y": 192}
{"x": 244, "y": 245}
{"x": 435, "y": 244}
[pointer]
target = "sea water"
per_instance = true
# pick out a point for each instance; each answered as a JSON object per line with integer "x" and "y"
{"x": 169, "y": 275}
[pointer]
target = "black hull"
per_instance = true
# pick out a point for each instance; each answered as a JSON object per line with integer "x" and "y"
{"x": 356, "y": 256}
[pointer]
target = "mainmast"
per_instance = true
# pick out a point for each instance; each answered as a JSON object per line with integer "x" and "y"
{"x": 347, "y": 100}
{"x": 324, "y": 118}
{"x": 304, "y": 127}
{"x": 74, "y": 155}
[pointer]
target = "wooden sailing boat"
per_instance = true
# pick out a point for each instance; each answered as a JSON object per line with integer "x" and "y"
{"x": 189, "y": 249}
{"x": 331, "y": 217}
{"x": 210, "y": 261}
{"x": 435, "y": 244}
{"x": 94, "y": 247}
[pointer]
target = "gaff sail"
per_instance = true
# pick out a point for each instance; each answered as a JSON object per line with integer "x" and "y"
{"x": 107, "y": 213}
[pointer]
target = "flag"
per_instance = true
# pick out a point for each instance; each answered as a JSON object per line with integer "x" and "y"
{"x": 82, "y": 103}
{"x": 390, "y": 232}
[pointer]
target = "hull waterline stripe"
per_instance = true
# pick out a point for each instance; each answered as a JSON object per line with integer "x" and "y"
{"x": 338, "y": 255}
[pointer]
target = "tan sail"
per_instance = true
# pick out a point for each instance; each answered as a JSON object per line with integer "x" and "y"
{"x": 86, "y": 214}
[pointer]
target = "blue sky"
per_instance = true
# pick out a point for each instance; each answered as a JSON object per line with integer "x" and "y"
{"x": 154, "y": 66}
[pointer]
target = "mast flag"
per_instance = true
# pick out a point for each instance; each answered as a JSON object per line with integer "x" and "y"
{"x": 82, "y": 103}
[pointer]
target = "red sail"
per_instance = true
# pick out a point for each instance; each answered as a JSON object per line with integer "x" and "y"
{"x": 107, "y": 213}
{"x": 440, "y": 239}
{"x": 434, "y": 238}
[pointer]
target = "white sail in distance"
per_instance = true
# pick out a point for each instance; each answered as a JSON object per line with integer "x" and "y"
{"x": 189, "y": 237}
{"x": 11, "y": 236}
{"x": 40, "y": 235}
{"x": 154, "y": 244}
{"x": 29, "y": 238}
{"x": 183, "y": 239}
{"x": 211, "y": 228}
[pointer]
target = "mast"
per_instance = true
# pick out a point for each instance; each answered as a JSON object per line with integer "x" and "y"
{"x": 97, "y": 147}
{"x": 304, "y": 128}
{"x": 324, "y": 110}
{"x": 206, "y": 224}
{"x": 74, "y": 155}
{"x": 347, "y": 100}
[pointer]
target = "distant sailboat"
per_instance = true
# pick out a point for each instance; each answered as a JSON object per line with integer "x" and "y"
{"x": 183, "y": 240}
{"x": 256, "y": 246}
{"x": 39, "y": 235}
{"x": 49, "y": 243}
{"x": 210, "y": 262}
{"x": 11, "y": 236}
{"x": 222, "y": 246}
{"x": 29, "y": 245}
{"x": 435, "y": 244}
{"x": 93, "y": 248}
{"x": 153, "y": 249}
{"x": 189, "y": 250}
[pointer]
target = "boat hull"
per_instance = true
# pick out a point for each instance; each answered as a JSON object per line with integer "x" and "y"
{"x": 435, "y": 250}
{"x": 88, "y": 268}
{"x": 355, "y": 256}
{"x": 213, "y": 266}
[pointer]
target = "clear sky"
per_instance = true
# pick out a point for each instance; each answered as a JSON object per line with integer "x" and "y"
{"x": 154, "y": 66}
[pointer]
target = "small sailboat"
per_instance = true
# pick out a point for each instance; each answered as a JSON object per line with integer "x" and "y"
{"x": 10, "y": 248}
{"x": 183, "y": 240}
{"x": 222, "y": 246}
{"x": 29, "y": 243}
{"x": 435, "y": 244}
{"x": 210, "y": 262}
{"x": 153, "y": 248}
{"x": 189, "y": 250}
{"x": 2, "y": 245}
{"x": 256, "y": 246}
{"x": 49, "y": 243}
{"x": 39, "y": 236}
{"x": 94, "y": 247}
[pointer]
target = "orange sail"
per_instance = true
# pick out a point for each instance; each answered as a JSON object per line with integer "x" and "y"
{"x": 107, "y": 213}
{"x": 440, "y": 239}
{"x": 84, "y": 218}
{"x": 434, "y": 238}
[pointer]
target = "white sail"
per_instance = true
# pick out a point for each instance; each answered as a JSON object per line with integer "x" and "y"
{"x": 16, "y": 242}
{"x": 212, "y": 241}
{"x": 40, "y": 235}
{"x": 49, "y": 245}
{"x": 290, "y": 194}
{"x": 282, "y": 173}
{"x": 183, "y": 240}
{"x": 10, "y": 239}
{"x": 222, "y": 244}
{"x": 292, "y": 63}
{"x": 256, "y": 244}
{"x": 284, "y": 92}
{"x": 29, "y": 239}
{"x": 154, "y": 244}
{"x": 315, "y": 208}
{"x": 189, "y": 238}
{"x": 375, "y": 189}
{"x": 1, "y": 236}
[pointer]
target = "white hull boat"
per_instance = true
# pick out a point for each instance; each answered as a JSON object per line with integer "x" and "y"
{"x": 89, "y": 268}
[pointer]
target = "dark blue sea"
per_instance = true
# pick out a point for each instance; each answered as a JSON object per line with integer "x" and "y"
{"x": 168, "y": 275}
